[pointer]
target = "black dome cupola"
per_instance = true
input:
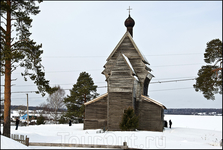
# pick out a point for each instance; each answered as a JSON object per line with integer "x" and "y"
{"x": 129, "y": 23}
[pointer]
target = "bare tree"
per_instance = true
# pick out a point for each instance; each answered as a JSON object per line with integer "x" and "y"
{"x": 45, "y": 110}
{"x": 21, "y": 110}
{"x": 55, "y": 102}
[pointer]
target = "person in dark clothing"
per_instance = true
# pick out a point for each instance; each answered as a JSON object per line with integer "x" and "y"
{"x": 17, "y": 123}
{"x": 70, "y": 123}
{"x": 170, "y": 123}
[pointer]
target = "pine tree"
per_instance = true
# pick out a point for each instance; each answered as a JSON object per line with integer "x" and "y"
{"x": 209, "y": 80}
{"x": 19, "y": 50}
{"x": 83, "y": 91}
{"x": 129, "y": 120}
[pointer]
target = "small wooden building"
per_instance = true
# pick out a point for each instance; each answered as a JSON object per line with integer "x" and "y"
{"x": 128, "y": 75}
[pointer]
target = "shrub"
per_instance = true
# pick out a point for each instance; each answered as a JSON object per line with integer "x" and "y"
{"x": 62, "y": 120}
{"x": 129, "y": 120}
{"x": 40, "y": 120}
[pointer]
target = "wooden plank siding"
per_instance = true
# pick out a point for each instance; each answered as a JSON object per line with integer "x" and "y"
{"x": 128, "y": 49}
{"x": 120, "y": 92}
{"x": 150, "y": 116}
{"x": 117, "y": 103}
{"x": 96, "y": 114}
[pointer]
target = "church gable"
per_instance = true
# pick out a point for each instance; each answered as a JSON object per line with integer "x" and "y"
{"x": 128, "y": 47}
{"x": 121, "y": 78}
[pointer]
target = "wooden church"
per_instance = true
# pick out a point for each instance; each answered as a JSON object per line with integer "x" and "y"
{"x": 128, "y": 76}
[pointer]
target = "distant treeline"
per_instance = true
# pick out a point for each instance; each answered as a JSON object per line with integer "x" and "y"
{"x": 16, "y": 107}
{"x": 194, "y": 111}
{"x": 175, "y": 111}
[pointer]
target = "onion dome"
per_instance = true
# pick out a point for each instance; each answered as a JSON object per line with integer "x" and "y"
{"x": 129, "y": 22}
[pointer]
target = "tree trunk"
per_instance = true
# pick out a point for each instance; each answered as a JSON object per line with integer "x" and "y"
{"x": 56, "y": 115}
{"x": 7, "y": 92}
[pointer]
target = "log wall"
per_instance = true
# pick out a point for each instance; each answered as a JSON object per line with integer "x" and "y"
{"x": 117, "y": 103}
{"x": 120, "y": 92}
{"x": 96, "y": 114}
{"x": 150, "y": 116}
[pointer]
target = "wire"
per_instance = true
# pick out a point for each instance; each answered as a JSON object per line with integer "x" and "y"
{"x": 176, "y": 78}
{"x": 150, "y": 82}
{"x": 171, "y": 89}
{"x": 177, "y": 65}
{"x": 37, "y": 91}
{"x": 106, "y": 86}
{"x": 149, "y": 91}
{"x": 172, "y": 81}
{"x": 102, "y": 68}
{"x": 107, "y": 56}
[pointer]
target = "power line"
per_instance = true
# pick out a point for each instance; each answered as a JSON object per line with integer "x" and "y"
{"x": 171, "y": 89}
{"x": 51, "y": 84}
{"x": 176, "y": 80}
{"x": 102, "y": 68}
{"x": 177, "y": 65}
{"x": 172, "y": 81}
{"x": 107, "y": 56}
{"x": 176, "y": 54}
{"x": 149, "y": 91}
{"x": 38, "y": 91}
{"x": 106, "y": 86}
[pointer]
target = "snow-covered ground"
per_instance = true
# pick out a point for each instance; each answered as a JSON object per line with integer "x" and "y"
{"x": 187, "y": 132}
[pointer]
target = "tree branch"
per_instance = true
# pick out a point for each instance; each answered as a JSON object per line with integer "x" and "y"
{"x": 26, "y": 50}
{"x": 3, "y": 30}
{"x": 3, "y": 40}
{"x": 14, "y": 68}
{"x": 3, "y": 22}
{"x": 3, "y": 17}
{"x": 18, "y": 42}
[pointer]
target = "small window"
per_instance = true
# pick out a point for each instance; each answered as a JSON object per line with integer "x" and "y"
{"x": 146, "y": 84}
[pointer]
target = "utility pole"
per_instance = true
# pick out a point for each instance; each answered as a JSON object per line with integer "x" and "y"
{"x": 27, "y": 110}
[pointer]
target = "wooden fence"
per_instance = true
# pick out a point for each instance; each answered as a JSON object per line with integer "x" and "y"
{"x": 124, "y": 146}
{"x": 20, "y": 138}
{"x": 25, "y": 140}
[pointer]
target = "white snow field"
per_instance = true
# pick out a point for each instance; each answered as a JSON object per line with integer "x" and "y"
{"x": 187, "y": 132}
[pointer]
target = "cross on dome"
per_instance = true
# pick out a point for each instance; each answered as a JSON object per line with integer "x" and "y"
{"x": 129, "y": 9}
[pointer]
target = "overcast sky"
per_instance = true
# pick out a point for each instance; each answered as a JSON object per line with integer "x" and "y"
{"x": 79, "y": 36}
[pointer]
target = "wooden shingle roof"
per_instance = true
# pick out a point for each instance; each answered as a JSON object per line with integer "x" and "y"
{"x": 96, "y": 99}
{"x": 127, "y": 34}
{"x": 153, "y": 101}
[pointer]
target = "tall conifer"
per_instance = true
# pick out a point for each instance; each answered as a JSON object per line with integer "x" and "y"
{"x": 83, "y": 91}
{"x": 209, "y": 80}
{"x": 17, "y": 49}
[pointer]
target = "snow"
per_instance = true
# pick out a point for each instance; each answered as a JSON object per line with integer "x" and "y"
{"x": 128, "y": 62}
{"x": 187, "y": 132}
{"x": 130, "y": 65}
{"x": 7, "y": 143}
